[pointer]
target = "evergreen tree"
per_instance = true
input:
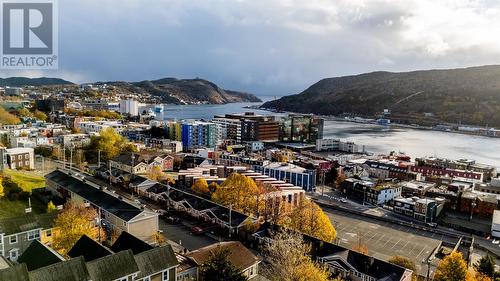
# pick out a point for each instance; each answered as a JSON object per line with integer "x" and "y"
{"x": 486, "y": 266}
{"x": 219, "y": 267}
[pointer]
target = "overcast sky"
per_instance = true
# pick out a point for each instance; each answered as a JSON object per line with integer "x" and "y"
{"x": 269, "y": 47}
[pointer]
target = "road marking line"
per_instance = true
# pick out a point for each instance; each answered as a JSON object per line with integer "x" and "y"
{"x": 396, "y": 243}
{"x": 421, "y": 251}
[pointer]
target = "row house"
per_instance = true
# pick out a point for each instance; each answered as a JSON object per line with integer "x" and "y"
{"x": 89, "y": 260}
{"x": 142, "y": 163}
{"x": 17, "y": 233}
{"x": 380, "y": 170}
{"x": 117, "y": 214}
{"x": 166, "y": 144}
{"x": 445, "y": 172}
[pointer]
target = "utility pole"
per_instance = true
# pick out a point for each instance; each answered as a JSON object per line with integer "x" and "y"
{"x": 109, "y": 172}
{"x": 70, "y": 157}
{"x": 64, "y": 156}
{"x": 230, "y": 227}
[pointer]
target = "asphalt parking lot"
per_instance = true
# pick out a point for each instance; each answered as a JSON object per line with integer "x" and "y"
{"x": 181, "y": 234}
{"x": 384, "y": 239}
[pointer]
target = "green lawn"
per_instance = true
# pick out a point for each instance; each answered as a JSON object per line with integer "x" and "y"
{"x": 25, "y": 179}
{"x": 9, "y": 209}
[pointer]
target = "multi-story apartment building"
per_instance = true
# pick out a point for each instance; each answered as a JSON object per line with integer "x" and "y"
{"x": 20, "y": 157}
{"x": 197, "y": 134}
{"x": 228, "y": 129}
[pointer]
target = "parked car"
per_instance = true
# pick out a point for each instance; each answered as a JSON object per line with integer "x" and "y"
{"x": 432, "y": 224}
{"x": 343, "y": 200}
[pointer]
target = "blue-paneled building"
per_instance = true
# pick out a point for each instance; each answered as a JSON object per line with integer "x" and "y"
{"x": 290, "y": 173}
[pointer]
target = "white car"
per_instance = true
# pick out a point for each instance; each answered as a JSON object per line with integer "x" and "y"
{"x": 495, "y": 241}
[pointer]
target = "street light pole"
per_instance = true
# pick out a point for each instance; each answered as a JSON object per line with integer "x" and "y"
{"x": 473, "y": 205}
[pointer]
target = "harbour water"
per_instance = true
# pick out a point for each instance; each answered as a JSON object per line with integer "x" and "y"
{"x": 376, "y": 138}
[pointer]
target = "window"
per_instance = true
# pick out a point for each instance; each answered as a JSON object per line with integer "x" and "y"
{"x": 34, "y": 234}
{"x": 164, "y": 276}
{"x": 147, "y": 278}
{"x": 48, "y": 232}
{"x": 13, "y": 254}
{"x": 13, "y": 239}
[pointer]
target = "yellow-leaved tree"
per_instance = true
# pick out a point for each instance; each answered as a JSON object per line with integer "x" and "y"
{"x": 239, "y": 191}
{"x": 40, "y": 115}
{"x": 200, "y": 186}
{"x": 2, "y": 191}
{"x": 452, "y": 268}
{"x": 110, "y": 143}
{"x": 156, "y": 174}
{"x": 51, "y": 207}
{"x": 8, "y": 118}
{"x": 310, "y": 219}
{"x": 74, "y": 221}
{"x": 288, "y": 259}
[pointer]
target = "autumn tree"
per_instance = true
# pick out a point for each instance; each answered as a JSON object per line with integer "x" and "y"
{"x": 51, "y": 207}
{"x": 8, "y": 118}
{"x": 156, "y": 174}
{"x": 219, "y": 267}
{"x": 24, "y": 112}
{"x": 74, "y": 221}
{"x": 2, "y": 191}
{"x": 486, "y": 266}
{"x": 213, "y": 186}
{"x": 239, "y": 191}
{"x": 310, "y": 219}
{"x": 288, "y": 258}
{"x": 452, "y": 268}
{"x": 406, "y": 263}
{"x": 200, "y": 186}
{"x": 110, "y": 143}
{"x": 40, "y": 115}
{"x": 360, "y": 247}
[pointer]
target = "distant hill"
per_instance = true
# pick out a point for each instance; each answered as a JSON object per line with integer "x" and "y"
{"x": 24, "y": 81}
{"x": 467, "y": 95}
{"x": 186, "y": 91}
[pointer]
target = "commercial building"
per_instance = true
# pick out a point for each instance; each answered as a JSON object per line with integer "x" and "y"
{"x": 196, "y": 134}
{"x": 301, "y": 128}
{"x": 129, "y": 106}
{"x": 338, "y": 145}
{"x": 290, "y": 173}
{"x": 495, "y": 224}
{"x": 13, "y": 91}
{"x": 251, "y": 127}
{"x": 382, "y": 194}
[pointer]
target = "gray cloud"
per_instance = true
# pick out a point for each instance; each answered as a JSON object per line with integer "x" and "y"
{"x": 270, "y": 47}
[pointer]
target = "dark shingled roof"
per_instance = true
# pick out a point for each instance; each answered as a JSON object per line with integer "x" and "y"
{"x": 155, "y": 260}
{"x": 38, "y": 255}
{"x": 70, "y": 270}
{"x": 17, "y": 272}
{"x": 89, "y": 249}
{"x": 106, "y": 201}
{"x": 127, "y": 241}
{"x": 113, "y": 266}
{"x": 240, "y": 256}
{"x": 27, "y": 222}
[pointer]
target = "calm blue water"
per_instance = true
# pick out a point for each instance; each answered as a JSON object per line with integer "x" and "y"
{"x": 377, "y": 139}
